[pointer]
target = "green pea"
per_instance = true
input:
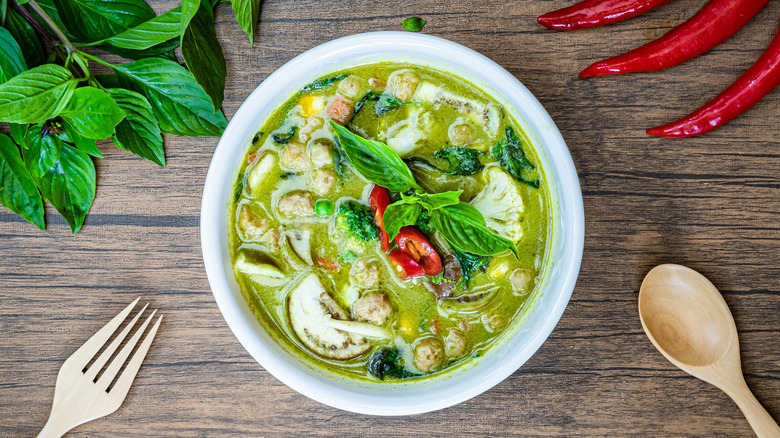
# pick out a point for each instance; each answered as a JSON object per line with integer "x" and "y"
{"x": 323, "y": 208}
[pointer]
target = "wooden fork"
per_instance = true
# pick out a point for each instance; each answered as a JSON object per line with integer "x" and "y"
{"x": 79, "y": 395}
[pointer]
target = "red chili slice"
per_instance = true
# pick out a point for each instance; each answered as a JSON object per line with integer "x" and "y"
{"x": 714, "y": 23}
{"x": 761, "y": 78}
{"x": 379, "y": 201}
{"x": 412, "y": 242}
{"x": 407, "y": 268}
{"x": 592, "y": 13}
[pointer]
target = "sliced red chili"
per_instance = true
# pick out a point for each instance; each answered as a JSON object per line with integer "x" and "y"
{"x": 412, "y": 242}
{"x": 592, "y": 13}
{"x": 406, "y": 267}
{"x": 380, "y": 199}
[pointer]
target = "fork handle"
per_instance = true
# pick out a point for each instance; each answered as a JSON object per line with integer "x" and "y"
{"x": 54, "y": 428}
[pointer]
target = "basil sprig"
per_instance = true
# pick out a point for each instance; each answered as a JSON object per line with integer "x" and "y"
{"x": 510, "y": 155}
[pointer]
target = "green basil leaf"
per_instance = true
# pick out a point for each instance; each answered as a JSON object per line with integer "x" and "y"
{"x": 462, "y": 161}
{"x": 162, "y": 50}
{"x": 322, "y": 83}
{"x": 178, "y": 102}
{"x": 139, "y": 132}
{"x": 510, "y": 155}
{"x": 71, "y": 135}
{"x": 150, "y": 33}
{"x": 17, "y": 188}
{"x": 26, "y": 37}
{"x": 92, "y": 113}
{"x": 3, "y": 10}
{"x": 400, "y": 214}
{"x": 41, "y": 151}
{"x": 413, "y": 24}
{"x": 36, "y": 95}
{"x": 203, "y": 54}
{"x": 95, "y": 20}
{"x": 188, "y": 10}
{"x": 433, "y": 201}
{"x": 12, "y": 61}
{"x": 247, "y": 13}
{"x": 463, "y": 227}
{"x": 17, "y": 132}
{"x": 469, "y": 263}
{"x": 69, "y": 186}
{"x": 375, "y": 161}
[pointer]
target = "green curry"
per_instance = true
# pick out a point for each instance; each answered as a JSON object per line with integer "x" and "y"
{"x": 390, "y": 222}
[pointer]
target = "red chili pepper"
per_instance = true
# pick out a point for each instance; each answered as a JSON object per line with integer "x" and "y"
{"x": 713, "y": 24}
{"x": 407, "y": 268}
{"x": 761, "y": 78}
{"x": 327, "y": 264}
{"x": 412, "y": 242}
{"x": 592, "y": 13}
{"x": 379, "y": 202}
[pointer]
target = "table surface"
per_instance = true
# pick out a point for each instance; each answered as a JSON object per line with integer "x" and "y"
{"x": 712, "y": 203}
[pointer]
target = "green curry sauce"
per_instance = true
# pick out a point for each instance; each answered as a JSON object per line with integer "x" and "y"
{"x": 296, "y": 178}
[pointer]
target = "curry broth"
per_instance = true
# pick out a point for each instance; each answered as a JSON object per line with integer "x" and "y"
{"x": 417, "y": 313}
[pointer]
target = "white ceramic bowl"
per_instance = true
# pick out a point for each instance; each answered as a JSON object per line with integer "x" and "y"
{"x": 519, "y": 342}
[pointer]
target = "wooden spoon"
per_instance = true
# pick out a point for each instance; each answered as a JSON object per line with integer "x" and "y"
{"x": 688, "y": 321}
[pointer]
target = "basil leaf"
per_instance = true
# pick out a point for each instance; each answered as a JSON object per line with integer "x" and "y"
{"x": 433, "y": 201}
{"x": 12, "y": 61}
{"x": 139, "y": 132}
{"x": 247, "y": 13}
{"x": 203, "y": 54}
{"x": 384, "y": 103}
{"x": 17, "y": 188}
{"x": 162, "y": 50}
{"x": 188, "y": 10}
{"x": 69, "y": 186}
{"x": 413, "y": 24}
{"x": 41, "y": 151}
{"x": 50, "y": 8}
{"x": 510, "y": 155}
{"x": 463, "y": 227}
{"x": 284, "y": 138}
{"x": 375, "y": 161}
{"x": 178, "y": 102}
{"x": 3, "y": 10}
{"x": 92, "y": 113}
{"x": 400, "y": 214}
{"x": 26, "y": 38}
{"x": 17, "y": 132}
{"x": 469, "y": 263}
{"x": 150, "y": 33}
{"x": 462, "y": 161}
{"x": 88, "y": 145}
{"x": 95, "y": 20}
{"x": 322, "y": 83}
{"x": 36, "y": 95}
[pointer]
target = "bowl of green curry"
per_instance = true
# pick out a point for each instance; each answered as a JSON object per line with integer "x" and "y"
{"x": 391, "y": 224}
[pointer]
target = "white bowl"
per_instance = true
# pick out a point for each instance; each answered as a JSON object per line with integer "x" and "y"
{"x": 519, "y": 342}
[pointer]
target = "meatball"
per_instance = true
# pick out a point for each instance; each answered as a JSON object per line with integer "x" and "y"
{"x": 455, "y": 343}
{"x": 296, "y": 204}
{"x": 294, "y": 157}
{"x": 365, "y": 274}
{"x": 522, "y": 281}
{"x": 428, "y": 354}
{"x": 322, "y": 181}
{"x": 404, "y": 85}
{"x": 319, "y": 151}
{"x": 309, "y": 126}
{"x": 352, "y": 88}
{"x": 374, "y": 308}
{"x": 492, "y": 322}
{"x": 252, "y": 226}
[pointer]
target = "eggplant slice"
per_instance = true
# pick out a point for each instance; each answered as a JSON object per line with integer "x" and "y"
{"x": 311, "y": 309}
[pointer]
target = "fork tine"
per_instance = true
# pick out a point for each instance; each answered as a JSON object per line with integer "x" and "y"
{"x": 115, "y": 365}
{"x": 90, "y": 348}
{"x": 124, "y": 381}
{"x": 95, "y": 368}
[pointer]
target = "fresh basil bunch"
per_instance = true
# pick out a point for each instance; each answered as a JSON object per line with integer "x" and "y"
{"x": 58, "y": 108}
{"x": 460, "y": 223}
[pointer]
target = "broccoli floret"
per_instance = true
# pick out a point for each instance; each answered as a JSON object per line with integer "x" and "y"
{"x": 359, "y": 221}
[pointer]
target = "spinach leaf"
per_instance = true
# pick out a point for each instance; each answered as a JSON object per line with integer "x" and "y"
{"x": 150, "y": 33}
{"x": 462, "y": 161}
{"x": 400, "y": 214}
{"x": 69, "y": 185}
{"x": 36, "y": 95}
{"x": 203, "y": 54}
{"x": 17, "y": 188}
{"x": 510, "y": 155}
{"x": 70, "y": 135}
{"x": 94, "y": 20}
{"x": 388, "y": 362}
{"x": 375, "y": 161}
{"x": 178, "y": 102}
{"x": 413, "y": 24}
{"x": 25, "y": 36}
{"x": 285, "y": 138}
{"x": 469, "y": 263}
{"x": 139, "y": 132}
{"x": 247, "y": 13}
{"x": 322, "y": 83}
{"x": 463, "y": 227}
{"x": 92, "y": 113}
{"x": 12, "y": 61}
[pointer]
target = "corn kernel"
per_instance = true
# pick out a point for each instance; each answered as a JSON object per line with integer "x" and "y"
{"x": 499, "y": 270}
{"x": 311, "y": 105}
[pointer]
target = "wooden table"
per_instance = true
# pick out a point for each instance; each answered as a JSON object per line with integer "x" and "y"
{"x": 712, "y": 203}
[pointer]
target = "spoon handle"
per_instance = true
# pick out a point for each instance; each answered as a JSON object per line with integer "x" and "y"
{"x": 760, "y": 420}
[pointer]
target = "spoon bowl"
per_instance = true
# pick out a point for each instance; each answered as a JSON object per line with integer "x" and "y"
{"x": 687, "y": 320}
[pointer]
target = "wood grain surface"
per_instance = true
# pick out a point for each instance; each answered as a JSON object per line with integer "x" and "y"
{"x": 712, "y": 203}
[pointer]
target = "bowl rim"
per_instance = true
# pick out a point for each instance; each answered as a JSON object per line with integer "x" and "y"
{"x": 242, "y": 321}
